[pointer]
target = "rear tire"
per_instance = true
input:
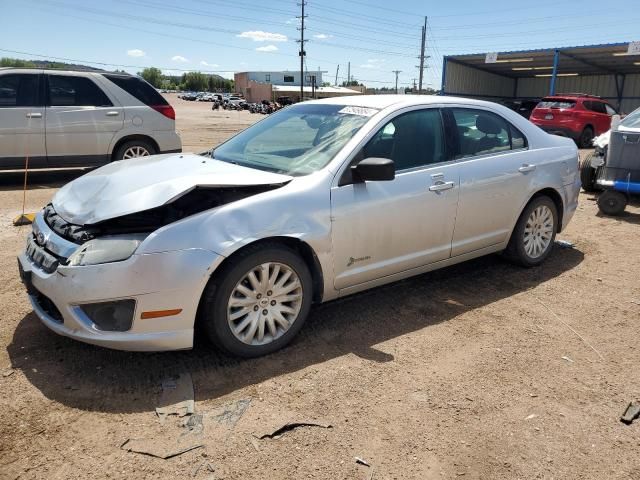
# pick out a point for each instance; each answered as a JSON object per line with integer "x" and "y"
{"x": 532, "y": 238}
{"x": 134, "y": 149}
{"x": 586, "y": 138}
{"x": 588, "y": 174}
{"x": 248, "y": 318}
{"x": 612, "y": 202}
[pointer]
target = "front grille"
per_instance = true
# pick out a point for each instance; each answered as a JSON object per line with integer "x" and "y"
{"x": 47, "y": 305}
{"x": 40, "y": 257}
{"x": 75, "y": 233}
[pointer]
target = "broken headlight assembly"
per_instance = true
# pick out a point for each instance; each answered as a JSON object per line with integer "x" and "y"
{"x": 106, "y": 250}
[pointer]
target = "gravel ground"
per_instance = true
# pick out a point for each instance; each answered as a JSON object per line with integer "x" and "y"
{"x": 482, "y": 370}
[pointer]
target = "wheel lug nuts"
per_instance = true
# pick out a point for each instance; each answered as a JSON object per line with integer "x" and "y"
{"x": 273, "y": 303}
{"x": 259, "y": 296}
{"x": 255, "y": 309}
{"x": 269, "y": 293}
{"x": 264, "y": 312}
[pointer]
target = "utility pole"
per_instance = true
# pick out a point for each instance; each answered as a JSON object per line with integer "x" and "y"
{"x": 337, "y": 70}
{"x": 424, "y": 41}
{"x": 397, "y": 72}
{"x": 348, "y": 73}
{"x": 302, "y": 53}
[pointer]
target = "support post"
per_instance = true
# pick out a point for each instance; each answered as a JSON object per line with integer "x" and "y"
{"x": 444, "y": 75}
{"x": 554, "y": 73}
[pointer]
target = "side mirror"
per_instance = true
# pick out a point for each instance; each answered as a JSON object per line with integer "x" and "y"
{"x": 374, "y": 169}
{"x": 615, "y": 121}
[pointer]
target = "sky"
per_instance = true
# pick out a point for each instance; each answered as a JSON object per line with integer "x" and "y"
{"x": 375, "y": 36}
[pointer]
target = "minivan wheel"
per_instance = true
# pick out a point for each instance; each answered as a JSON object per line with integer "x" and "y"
{"x": 134, "y": 149}
{"x": 532, "y": 239}
{"x": 258, "y": 302}
{"x": 586, "y": 137}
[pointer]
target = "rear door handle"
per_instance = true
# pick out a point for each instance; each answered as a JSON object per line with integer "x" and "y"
{"x": 526, "y": 168}
{"x": 112, "y": 114}
{"x": 441, "y": 186}
{"x": 34, "y": 115}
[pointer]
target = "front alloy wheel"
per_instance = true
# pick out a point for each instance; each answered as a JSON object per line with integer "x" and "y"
{"x": 258, "y": 300}
{"x": 264, "y": 304}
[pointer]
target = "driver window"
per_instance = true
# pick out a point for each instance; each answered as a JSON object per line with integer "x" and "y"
{"x": 411, "y": 140}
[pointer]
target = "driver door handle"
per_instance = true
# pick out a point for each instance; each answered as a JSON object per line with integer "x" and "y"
{"x": 34, "y": 115}
{"x": 441, "y": 186}
{"x": 112, "y": 113}
{"x": 526, "y": 168}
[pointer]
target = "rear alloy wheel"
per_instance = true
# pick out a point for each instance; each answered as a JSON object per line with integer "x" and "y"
{"x": 258, "y": 302}
{"x": 134, "y": 149}
{"x": 586, "y": 138}
{"x": 611, "y": 202}
{"x": 532, "y": 239}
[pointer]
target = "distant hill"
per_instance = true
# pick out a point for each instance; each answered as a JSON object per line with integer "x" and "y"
{"x": 16, "y": 62}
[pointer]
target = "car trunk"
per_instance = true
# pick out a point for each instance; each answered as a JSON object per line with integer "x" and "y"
{"x": 554, "y": 109}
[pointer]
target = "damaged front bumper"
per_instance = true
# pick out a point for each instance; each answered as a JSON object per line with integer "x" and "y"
{"x": 65, "y": 299}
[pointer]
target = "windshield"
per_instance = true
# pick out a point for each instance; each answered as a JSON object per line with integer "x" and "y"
{"x": 297, "y": 140}
{"x": 632, "y": 120}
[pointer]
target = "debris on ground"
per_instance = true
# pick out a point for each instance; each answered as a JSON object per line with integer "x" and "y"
{"x": 450, "y": 301}
{"x": 531, "y": 417}
{"x": 567, "y": 359}
{"x": 176, "y": 398}
{"x": 193, "y": 423}
{"x": 287, "y": 427}
{"x": 631, "y": 413}
{"x": 564, "y": 244}
{"x": 231, "y": 413}
{"x": 8, "y": 373}
{"x": 204, "y": 465}
{"x": 362, "y": 461}
{"x": 162, "y": 447}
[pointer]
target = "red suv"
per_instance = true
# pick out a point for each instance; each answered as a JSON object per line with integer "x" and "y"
{"x": 574, "y": 115}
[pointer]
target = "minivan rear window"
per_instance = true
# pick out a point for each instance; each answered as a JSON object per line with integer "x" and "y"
{"x": 137, "y": 88}
{"x": 556, "y": 104}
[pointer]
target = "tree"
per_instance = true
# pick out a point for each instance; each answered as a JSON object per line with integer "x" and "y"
{"x": 195, "y": 81}
{"x": 15, "y": 62}
{"x": 152, "y": 75}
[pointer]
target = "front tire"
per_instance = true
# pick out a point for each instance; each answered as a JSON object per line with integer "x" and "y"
{"x": 533, "y": 236}
{"x": 258, "y": 302}
{"x": 588, "y": 174}
{"x": 612, "y": 202}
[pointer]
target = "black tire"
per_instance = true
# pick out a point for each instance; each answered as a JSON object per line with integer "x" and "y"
{"x": 516, "y": 248}
{"x": 145, "y": 144}
{"x": 612, "y": 202}
{"x": 586, "y": 137}
{"x": 588, "y": 174}
{"x": 213, "y": 307}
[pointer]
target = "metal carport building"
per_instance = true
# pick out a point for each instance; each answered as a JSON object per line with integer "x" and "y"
{"x": 611, "y": 71}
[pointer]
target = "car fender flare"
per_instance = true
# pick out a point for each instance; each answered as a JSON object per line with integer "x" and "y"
{"x": 549, "y": 191}
{"x": 125, "y": 135}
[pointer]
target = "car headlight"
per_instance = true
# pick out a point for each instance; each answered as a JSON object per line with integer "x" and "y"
{"x": 106, "y": 250}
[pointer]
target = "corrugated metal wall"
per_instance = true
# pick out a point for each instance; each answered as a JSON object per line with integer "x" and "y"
{"x": 463, "y": 80}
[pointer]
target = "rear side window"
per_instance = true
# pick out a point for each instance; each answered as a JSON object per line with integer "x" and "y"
{"x": 556, "y": 104}
{"x": 610, "y": 109}
{"x": 19, "y": 90}
{"x": 481, "y": 132}
{"x": 67, "y": 91}
{"x": 597, "y": 107}
{"x": 137, "y": 88}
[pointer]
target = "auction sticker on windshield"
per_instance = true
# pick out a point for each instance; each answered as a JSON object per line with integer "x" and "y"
{"x": 362, "y": 111}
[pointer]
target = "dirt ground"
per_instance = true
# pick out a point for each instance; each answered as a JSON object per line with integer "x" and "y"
{"x": 479, "y": 371}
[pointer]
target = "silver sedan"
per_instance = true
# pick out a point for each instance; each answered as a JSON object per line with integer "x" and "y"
{"x": 320, "y": 200}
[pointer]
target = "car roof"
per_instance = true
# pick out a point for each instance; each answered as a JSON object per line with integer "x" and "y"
{"x": 384, "y": 101}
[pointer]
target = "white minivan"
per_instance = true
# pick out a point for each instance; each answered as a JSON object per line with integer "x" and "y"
{"x": 61, "y": 118}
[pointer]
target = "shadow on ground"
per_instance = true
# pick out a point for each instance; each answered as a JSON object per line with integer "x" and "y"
{"x": 37, "y": 179}
{"x": 97, "y": 379}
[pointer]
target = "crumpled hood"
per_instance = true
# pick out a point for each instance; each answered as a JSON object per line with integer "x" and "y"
{"x": 130, "y": 186}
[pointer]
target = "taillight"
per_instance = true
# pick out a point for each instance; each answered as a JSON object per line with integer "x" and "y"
{"x": 166, "y": 110}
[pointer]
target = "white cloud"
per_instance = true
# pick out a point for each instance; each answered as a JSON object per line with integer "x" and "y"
{"x": 260, "y": 36}
{"x": 207, "y": 64}
{"x": 373, "y": 63}
{"x": 136, "y": 53}
{"x": 322, "y": 36}
{"x": 179, "y": 58}
{"x": 267, "y": 48}
{"x": 291, "y": 21}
